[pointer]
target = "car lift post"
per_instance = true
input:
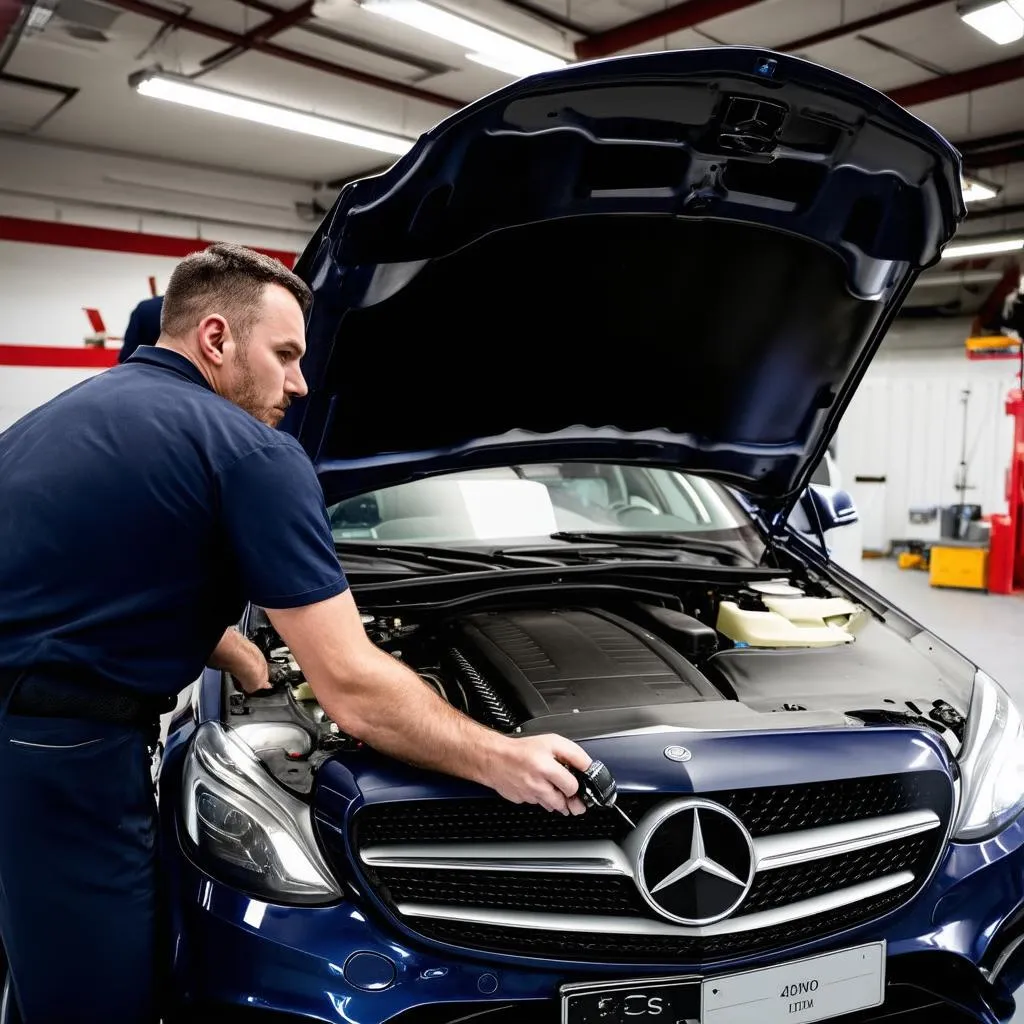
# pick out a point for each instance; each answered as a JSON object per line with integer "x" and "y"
{"x": 1006, "y": 556}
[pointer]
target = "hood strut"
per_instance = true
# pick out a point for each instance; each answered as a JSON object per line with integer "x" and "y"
{"x": 775, "y": 527}
{"x": 778, "y": 524}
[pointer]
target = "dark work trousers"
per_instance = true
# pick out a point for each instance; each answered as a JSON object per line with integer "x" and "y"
{"x": 78, "y": 870}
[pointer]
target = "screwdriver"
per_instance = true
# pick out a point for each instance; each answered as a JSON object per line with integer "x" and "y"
{"x": 598, "y": 789}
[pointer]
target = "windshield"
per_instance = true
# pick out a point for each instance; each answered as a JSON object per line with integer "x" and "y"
{"x": 525, "y": 503}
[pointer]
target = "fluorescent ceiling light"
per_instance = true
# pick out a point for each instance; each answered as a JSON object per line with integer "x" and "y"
{"x": 482, "y": 45}
{"x": 984, "y": 248}
{"x": 515, "y": 64}
{"x": 167, "y": 87}
{"x": 975, "y": 191}
{"x": 39, "y": 17}
{"x": 1001, "y": 20}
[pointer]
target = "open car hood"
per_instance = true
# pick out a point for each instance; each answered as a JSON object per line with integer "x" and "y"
{"x": 684, "y": 258}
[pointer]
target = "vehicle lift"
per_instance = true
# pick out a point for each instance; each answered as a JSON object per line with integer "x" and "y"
{"x": 1006, "y": 544}
{"x": 1006, "y": 540}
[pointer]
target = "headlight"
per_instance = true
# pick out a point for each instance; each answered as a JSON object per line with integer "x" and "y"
{"x": 991, "y": 762}
{"x": 247, "y": 830}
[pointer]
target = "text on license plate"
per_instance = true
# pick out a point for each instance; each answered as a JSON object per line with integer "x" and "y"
{"x": 803, "y": 991}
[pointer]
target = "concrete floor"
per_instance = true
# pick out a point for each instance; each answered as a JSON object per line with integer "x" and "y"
{"x": 987, "y": 628}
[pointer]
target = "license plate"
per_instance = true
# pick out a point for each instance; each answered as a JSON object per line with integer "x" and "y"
{"x": 801, "y": 991}
{"x": 644, "y": 1001}
{"x": 798, "y": 992}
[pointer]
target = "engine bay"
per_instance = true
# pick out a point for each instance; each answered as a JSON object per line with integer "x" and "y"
{"x": 765, "y": 655}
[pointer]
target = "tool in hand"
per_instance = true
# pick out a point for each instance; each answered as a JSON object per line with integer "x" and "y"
{"x": 598, "y": 789}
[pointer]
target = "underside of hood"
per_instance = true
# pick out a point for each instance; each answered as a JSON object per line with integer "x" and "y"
{"x": 683, "y": 258}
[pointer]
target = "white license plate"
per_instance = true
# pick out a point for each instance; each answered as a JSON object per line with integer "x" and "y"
{"x": 798, "y": 992}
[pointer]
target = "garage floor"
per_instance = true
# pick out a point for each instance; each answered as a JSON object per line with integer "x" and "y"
{"x": 987, "y": 628}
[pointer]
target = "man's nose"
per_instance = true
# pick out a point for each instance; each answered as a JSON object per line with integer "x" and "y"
{"x": 295, "y": 384}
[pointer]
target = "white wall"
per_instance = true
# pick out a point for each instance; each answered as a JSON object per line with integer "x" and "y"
{"x": 45, "y": 288}
{"x": 905, "y": 424}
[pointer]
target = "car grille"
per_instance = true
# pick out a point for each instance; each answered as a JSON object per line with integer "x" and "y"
{"x": 641, "y": 948}
{"x": 767, "y": 810}
{"x": 830, "y": 855}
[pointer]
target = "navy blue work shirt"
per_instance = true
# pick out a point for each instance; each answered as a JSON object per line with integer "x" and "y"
{"x": 143, "y": 327}
{"x": 138, "y": 512}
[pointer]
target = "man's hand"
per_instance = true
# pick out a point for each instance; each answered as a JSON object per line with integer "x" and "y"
{"x": 375, "y": 698}
{"x": 243, "y": 660}
{"x": 530, "y": 771}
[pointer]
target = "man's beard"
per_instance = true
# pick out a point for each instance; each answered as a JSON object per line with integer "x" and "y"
{"x": 247, "y": 396}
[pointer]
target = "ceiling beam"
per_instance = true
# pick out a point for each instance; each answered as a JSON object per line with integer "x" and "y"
{"x": 326, "y": 31}
{"x": 994, "y": 157}
{"x": 654, "y": 26}
{"x": 550, "y": 18}
{"x": 992, "y": 151}
{"x": 13, "y": 18}
{"x": 277, "y": 23}
{"x": 1009, "y": 210}
{"x": 10, "y": 11}
{"x": 850, "y": 28}
{"x": 990, "y": 142}
{"x": 959, "y": 82}
{"x": 692, "y": 13}
{"x": 181, "y": 21}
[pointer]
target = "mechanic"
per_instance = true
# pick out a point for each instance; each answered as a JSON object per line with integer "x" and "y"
{"x": 104, "y": 618}
{"x": 143, "y": 327}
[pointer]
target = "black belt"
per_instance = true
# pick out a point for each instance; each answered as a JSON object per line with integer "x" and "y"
{"x": 64, "y": 694}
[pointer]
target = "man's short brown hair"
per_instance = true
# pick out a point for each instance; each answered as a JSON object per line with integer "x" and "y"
{"x": 226, "y": 279}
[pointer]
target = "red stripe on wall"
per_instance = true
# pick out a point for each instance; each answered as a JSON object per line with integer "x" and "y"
{"x": 79, "y": 236}
{"x": 57, "y": 355}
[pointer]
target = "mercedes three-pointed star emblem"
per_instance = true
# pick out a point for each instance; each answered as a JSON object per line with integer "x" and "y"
{"x": 698, "y": 861}
{"x": 710, "y": 882}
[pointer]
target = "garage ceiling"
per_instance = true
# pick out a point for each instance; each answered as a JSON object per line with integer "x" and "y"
{"x": 65, "y": 67}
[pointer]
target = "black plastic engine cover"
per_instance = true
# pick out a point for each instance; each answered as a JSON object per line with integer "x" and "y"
{"x": 570, "y": 660}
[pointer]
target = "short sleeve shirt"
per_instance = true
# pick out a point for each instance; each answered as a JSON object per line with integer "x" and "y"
{"x": 139, "y": 512}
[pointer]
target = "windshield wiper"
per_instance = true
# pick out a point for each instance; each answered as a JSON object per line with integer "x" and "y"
{"x": 674, "y": 543}
{"x": 440, "y": 559}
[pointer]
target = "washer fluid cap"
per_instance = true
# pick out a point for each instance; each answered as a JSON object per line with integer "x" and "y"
{"x": 776, "y": 588}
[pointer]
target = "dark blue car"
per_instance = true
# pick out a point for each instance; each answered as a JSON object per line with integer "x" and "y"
{"x": 573, "y": 361}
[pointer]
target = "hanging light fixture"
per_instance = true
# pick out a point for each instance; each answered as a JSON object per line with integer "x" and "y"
{"x": 174, "y": 89}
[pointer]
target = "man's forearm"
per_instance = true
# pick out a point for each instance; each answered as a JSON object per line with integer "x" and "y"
{"x": 375, "y": 698}
{"x": 242, "y": 658}
{"x": 386, "y": 696}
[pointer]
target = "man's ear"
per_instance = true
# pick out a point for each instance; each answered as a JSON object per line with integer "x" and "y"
{"x": 214, "y": 334}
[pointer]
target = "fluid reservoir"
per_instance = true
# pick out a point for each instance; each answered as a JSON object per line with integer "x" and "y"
{"x": 793, "y": 620}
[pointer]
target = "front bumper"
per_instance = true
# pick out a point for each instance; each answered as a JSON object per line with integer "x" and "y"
{"x": 234, "y": 956}
{"x": 955, "y": 949}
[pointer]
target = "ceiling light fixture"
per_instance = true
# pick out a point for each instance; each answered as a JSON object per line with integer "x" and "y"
{"x": 39, "y": 16}
{"x": 993, "y": 248}
{"x": 1001, "y": 20}
{"x": 161, "y": 86}
{"x": 977, "y": 191}
{"x": 482, "y": 45}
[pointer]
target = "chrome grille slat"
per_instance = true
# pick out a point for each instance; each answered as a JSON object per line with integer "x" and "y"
{"x": 645, "y": 926}
{"x": 596, "y": 857}
{"x": 832, "y": 840}
{"x": 603, "y": 857}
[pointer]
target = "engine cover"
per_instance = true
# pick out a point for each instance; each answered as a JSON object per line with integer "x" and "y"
{"x": 554, "y": 662}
